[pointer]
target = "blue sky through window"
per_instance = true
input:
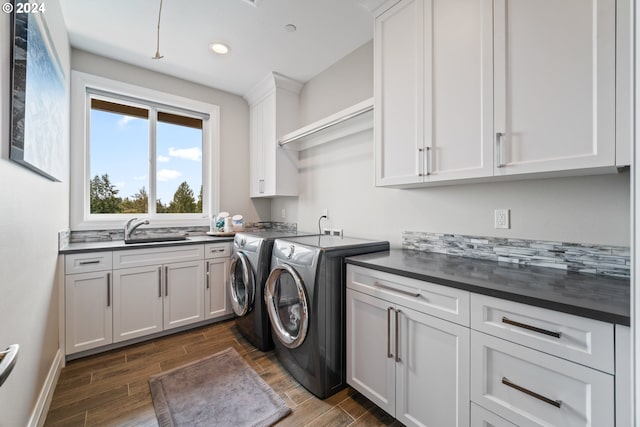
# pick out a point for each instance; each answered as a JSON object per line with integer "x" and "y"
{"x": 119, "y": 146}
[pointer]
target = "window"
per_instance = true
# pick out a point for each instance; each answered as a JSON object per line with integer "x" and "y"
{"x": 144, "y": 154}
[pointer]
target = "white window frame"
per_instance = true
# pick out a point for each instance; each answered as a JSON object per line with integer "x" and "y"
{"x": 80, "y": 215}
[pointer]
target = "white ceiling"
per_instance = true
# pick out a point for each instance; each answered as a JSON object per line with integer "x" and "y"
{"x": 125, "y": 30}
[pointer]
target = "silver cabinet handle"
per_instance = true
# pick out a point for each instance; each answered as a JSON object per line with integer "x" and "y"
{"x": 389, "y": 354}
{"x": 207, "y": 275}
{"x": 499, "y": 161}
{"x": 261, "y": 186}
{"x": 400, "y": 291}
{"x": 531, "y": 328}
{"x": 397, "y": 335}
{"x": 89, "y": 262}
{"x": 420, "y": 150}
{"x": 159, "y": 282}
{"x": 556, "y": 403}
{"x": 166, "y": 281}
{"x": 428, "y": 161}
{"x": 108, "y": 289}
{"x": 217, "y": 250}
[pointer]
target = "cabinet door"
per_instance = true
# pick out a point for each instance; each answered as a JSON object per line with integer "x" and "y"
{"x": 458, "y": 101}
{"x": 269, "y": 145}
{"x": 137, "y": 302}
{"x": 398, "y": 89}
{"x": 183, "y": 298}
{"x": 88, "y": 311}
{"x": 256, "y": 152}
{"x": 432, "y": 373}
{"x": 216, "y": 288}
{"x": 554, "y": 85}
{"x": 370, "y": 337}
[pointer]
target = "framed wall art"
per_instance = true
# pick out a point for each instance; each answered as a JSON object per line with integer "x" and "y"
{"x": 38, "y": 97}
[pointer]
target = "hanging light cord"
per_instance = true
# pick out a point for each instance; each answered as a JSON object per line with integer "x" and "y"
{"x": 158, "y": 56}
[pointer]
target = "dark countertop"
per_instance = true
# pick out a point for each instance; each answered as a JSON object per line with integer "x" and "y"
{"x": 118, "y": 245}
{"x": 596, "y": 297}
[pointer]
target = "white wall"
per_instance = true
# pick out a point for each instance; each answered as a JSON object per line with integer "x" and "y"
{"x": 343, "y": 84}
{"x": 339, "y": 176}
{"x": 234, "y": 126}
{"x": 33, "y": 210}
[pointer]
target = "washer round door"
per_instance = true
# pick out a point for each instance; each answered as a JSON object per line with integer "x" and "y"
{"x": 288, "y": 306}
{"x": 242, "y": 284}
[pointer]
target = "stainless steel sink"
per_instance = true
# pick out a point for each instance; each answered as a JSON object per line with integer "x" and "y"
{"x": 155, "y": 239}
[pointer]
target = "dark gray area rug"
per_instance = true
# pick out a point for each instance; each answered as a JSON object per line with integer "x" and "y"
{"x": 218, "y": 390}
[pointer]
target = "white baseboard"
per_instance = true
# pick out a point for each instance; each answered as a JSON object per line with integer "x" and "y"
{"x": 39, "y": 414}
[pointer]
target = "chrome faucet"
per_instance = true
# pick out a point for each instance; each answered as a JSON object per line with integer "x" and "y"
{"x": 129, "y": 229}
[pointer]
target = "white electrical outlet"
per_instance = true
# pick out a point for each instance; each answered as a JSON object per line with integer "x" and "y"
{"x": 336, "y": 232}
{"x": 325, "y": 212}
{"x": 283, "y": 213}
{"x": 502, "y": 218}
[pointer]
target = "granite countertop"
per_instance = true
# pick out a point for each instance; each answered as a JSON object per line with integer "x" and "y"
{"x": 117, "y": 245}
{"x": 596, "y": 297}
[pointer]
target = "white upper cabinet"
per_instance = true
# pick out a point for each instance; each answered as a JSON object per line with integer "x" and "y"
{"x": 273, "y": 112}
{"x": 554, "y": 85}
{"x": 398, "y": 117}
{"x": 433, "y": 91}
{"x": 458, "y": 90}
{"x": 470, "y": 89}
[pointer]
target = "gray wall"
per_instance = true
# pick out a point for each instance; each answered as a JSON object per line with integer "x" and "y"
{"x": 234, "y": 126}
{"x": 339, "y": 176}
{"x": 33, "y": 210}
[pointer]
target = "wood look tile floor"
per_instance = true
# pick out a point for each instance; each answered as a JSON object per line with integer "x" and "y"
{"x": 112, "y": 389}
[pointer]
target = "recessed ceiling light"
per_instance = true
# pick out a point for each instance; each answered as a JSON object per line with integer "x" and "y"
{"x": 219, "y": 48}
{"x": 290, "y": 28}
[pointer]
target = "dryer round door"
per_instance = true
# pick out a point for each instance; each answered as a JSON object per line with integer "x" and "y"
{"x": 288, "y": 306}
{"x": 241, "y": 284}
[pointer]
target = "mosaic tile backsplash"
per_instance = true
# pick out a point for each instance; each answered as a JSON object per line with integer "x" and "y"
{"x": 85, "y": 236}
{"x": 605, "y": 260}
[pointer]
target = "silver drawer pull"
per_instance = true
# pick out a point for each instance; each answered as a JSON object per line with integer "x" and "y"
{"x": 531, "y": 328}
{"x": 397, "y": 335}
{"x": 217, "y": 250}
{"x": 207, "y": 274}
{"x": 556, "y": 403}
{"x": 108, "y": 289}
{"x": 389, "y": 354}
{"x": 400, "y": 291}
{"x": 89, "y": 262}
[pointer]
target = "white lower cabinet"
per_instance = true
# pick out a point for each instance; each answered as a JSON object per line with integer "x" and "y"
{"x": 88, "y": 314}
{"x": 128, "y": 294}
{"x": 138, "y": 293}
{"x": 432, "y": 355}
{"x": 531, "y": 388}
{"x": 216, "y": 297}
{"x": 156, "y": 297}
{"x": 88, "y": 301}
{"x": 413, "y": 365}
{"x": 183, "y": 299}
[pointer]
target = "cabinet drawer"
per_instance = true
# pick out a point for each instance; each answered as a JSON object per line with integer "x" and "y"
{"x": 480, "y": 417}
{"x": 217, "y": 250}
{"x": 142, "y": 257}
{"x": 581, "y": 340}
{"x": 531, "y": 388}
{"x": 441, "y": 301}
{"x": 87, "y": 262}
